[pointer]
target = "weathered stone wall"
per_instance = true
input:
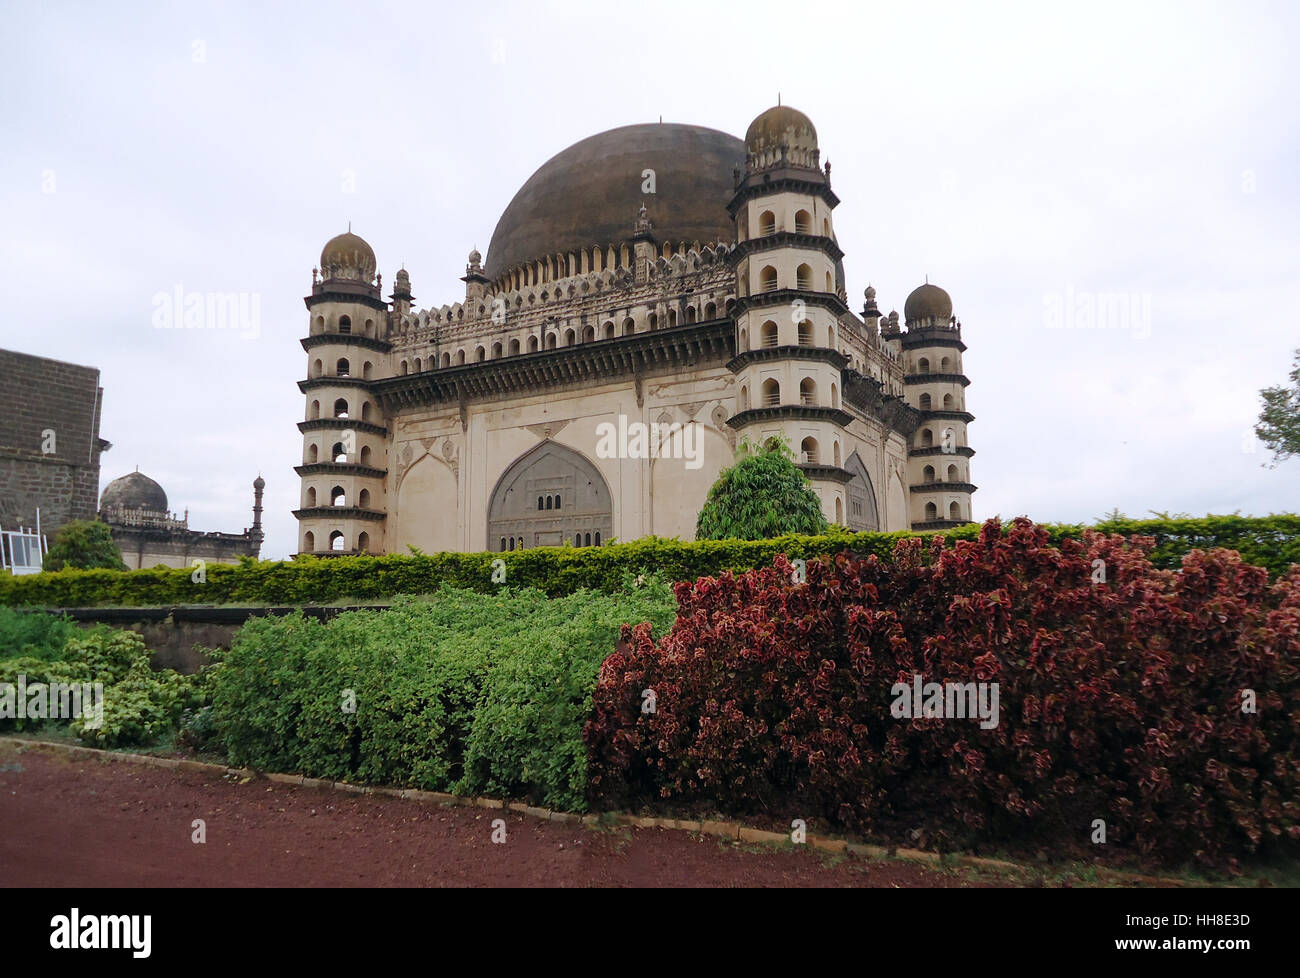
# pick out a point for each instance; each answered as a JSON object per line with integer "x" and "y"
{"x": 38, "y": 396}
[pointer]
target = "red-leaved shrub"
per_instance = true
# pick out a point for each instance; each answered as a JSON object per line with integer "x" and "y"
{"x": 1118, "y": 699}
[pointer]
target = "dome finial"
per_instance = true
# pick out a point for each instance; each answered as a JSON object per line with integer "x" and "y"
{"x": 778, "y": 98}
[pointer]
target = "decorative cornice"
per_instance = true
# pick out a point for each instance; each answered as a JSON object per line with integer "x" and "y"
{"x": 341, "y": 424}
{"x": 336, "y": 513}
{"x": 868, "y": 396}
{"x": 785, "y": 239}
{"x": 340, "y": 468}
{"x": 762, "y": 354}
{"x": 782, "y": 179}
{"x": 786, "y": 297}
{"x": 936, "y": 379}
{"x": 948, "y": 416}
{"x": 962, "y": 450}
{"x": 825, "y": 473}
{"x": 315, "y": 383}
{"x": 941, "y": 487}
{"x": 335, "y": 291}
{"x": 920, "y": 336}
{"x": 790, "y": 412}
{"x": 346, "y": 339}
{"x": 670, "y": 349}
{"x": 940, "y": 524}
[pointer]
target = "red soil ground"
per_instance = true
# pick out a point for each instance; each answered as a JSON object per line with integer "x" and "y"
{"x": 85, "y": 823}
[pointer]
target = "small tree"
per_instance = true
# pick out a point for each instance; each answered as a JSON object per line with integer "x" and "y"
{"x": 1279, "y": 419}
{"x": 763, "y": 495}
{"x": 84, "y": 544}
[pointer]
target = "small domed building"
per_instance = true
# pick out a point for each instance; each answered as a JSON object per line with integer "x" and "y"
{"x": 136, "y": 509}
{"x": 652, "y": 296}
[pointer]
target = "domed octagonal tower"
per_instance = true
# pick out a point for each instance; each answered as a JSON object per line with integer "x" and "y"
{"x": 789, "y": 303}
{"x": 342, "y": 509}
{"x": 939, "y": 458}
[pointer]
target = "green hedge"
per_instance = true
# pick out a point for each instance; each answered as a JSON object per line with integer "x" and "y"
{"x": 1272, "y": 542}
{"x": 461, "y": 692}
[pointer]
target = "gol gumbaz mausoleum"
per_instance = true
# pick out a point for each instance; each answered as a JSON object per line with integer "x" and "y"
{"x": 667, "y": 278}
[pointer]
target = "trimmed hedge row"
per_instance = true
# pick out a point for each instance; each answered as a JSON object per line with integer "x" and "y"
{"x": 1272, "y": 542}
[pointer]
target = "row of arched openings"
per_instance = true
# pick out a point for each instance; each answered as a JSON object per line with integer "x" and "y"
{"x": 337, "y": 542}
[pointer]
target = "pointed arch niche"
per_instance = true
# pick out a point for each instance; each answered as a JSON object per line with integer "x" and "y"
{"x": 549, "y": 469}
{"x": 862, "y": 511}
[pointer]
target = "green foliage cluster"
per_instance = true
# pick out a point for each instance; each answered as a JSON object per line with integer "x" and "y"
{"x": 462, "y": 692}
{"x": 1278, "y": 426}
{"x": 1272, "y": 542}
{"x": 139, "y": 704}
{"x": 85, "y": 545}
{"x": 763, "y": 495}
{"x": 33, "y": 635}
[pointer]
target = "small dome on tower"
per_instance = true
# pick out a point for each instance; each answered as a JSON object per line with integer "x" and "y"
{"x": 134, "y": 491}
{"x": 259, "y": 483}
{"x": 780, "y": 126}
{"x": 928, "y": 302}
{"x": 870, "y": 293}
{"x": 475, "y": 258}
{"x": 348, "y": 256}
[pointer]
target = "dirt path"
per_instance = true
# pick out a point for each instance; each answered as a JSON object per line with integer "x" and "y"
{"x": 73, "y": 822}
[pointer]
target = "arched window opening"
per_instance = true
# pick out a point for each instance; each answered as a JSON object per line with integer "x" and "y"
{"x": 315, "y": 410}
{"x": 653, "y": 321}
{"x": 953, "y": 475}
{"x": 363, "y": 543}
{"x": 837, "y": 454}
{"x": 532, "y": 344}
{"x": 365, "y": 370}
{"x": 802, "y": 222}
{"x": 923, "y": 366}
{"x": 598, "y": 538}
{"x": 807, "y": 391}
{"x": 496, "y": 351}
{"x": 711, "y": 311}
{"x": 690, "y": 314}
{"x": 770, "y": 336}
{"x": 931, "y": 512}
{"x": 927, "y": 438}
{"x": 405, "y": 369}
{"x": 835, "y": 399}
{"x": 839, "y": 512}
{"x": 309, "y": 542}
{"x": 480, "y": 354}
{"x": 771, "y": 393}
{"x": 363, "y": 500}
{"x": 927, "y": 474}
{"x": 317, "y": 369}
{"x": 570, "y": 337}
{"x": 338, "y": 454}
{"x": 945, "y": 365}
{"x": 345, "y": 324}
{"x": 744, "y": 398}
{"x": 587, "y": 540}
{"x": 629, "y": 327}
{"x": 803, "y": 277}
{"x": 805, "y": 333}
{"x": 337, "y": 542}
{"x": 338, "y": 497}
{"x": 513, "y": 348}
{"x": 577, "y": 539}
{"x": 343, "y": 369}
{"x": 672, "y": 317}
{"x": 808, "y": 452}
{"x": 365, "y": 455}
{"x": 766, "y": 223}
{"x": 925, "y": 402}
{"x": 419, "y": 365}
{"x": 557, "y": 500}
{"x": 540, "y": 500}
{"x": 551, "y": 340}
{"x": 311, "y": 497}
{"x": 589, "y": 334}
{"x": 365, "y": 410}
{"x": 313, "y": 454}
{"x": 460, "y": 358}
{"x": 341, "y": 408}
{"x": 947, "y": 402}
{"x": 369, "y": 327}
{"x": 954, "y": 511}
{"x": 767, "y": 279}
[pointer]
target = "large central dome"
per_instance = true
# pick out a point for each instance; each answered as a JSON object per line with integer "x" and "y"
{"x": 590, "y": 193}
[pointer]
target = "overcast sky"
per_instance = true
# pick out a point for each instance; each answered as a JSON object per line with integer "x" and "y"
{"x": 1030, "y": 158}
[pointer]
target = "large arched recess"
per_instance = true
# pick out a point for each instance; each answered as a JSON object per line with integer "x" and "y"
{"x": 426, "y": 508}
{"x": 576, "y": 501}
{"x": 863, "y": 513}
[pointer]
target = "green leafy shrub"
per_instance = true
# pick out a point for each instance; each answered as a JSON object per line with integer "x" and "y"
{"x": 463, "y": 692}
{"x": 764, "y": 494}
{"x": 36, "y": 635}
{"x": 1272, "y": 542}
{"x": 84, "y": 544}
{"x": 139, "y": 704}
